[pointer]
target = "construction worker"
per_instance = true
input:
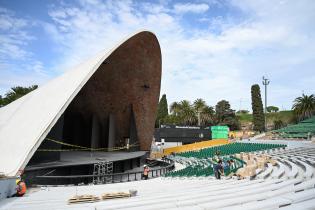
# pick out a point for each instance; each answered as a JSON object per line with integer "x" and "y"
{"x": 20, "y": 188}
{"x": 146, "y": 172}
{"x": 218, "y": 170}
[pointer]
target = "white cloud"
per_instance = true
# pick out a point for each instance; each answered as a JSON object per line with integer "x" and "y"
{"x": 18, "y": 66}
{"x": 219, "y": 60}
{"x": 12, "y": 76}
{"x": 206, "y": 65}
{"x": 12, "y": 36}
{"x": 9, "y": 22}
{"x": 190, "y": 7}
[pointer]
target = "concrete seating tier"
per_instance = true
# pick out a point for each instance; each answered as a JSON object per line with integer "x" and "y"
{"x": 287, "y": 184}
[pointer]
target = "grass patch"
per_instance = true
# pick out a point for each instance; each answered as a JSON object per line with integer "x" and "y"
{"x": 244, "y": 118}
{"x": 286, "y": 116}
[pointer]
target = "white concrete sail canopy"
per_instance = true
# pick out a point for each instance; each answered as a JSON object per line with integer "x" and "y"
{"x": 25, "y": 123}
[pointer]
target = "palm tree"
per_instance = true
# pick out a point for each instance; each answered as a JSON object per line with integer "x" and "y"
{"x": 199, "y": 104}
{"x": 187, "y": 113}
{"x": 207, "y": 115}
{"x": 304, "y": 106}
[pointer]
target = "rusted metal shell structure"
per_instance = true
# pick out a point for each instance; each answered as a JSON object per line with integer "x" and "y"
{"x": 102, "y": 102}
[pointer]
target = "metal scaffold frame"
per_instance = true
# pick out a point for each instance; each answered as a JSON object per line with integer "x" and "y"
{"x": 101, "y": 171}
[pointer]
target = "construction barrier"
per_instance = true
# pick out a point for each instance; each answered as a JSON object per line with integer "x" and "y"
{"x": 195, "y": 146}
{"x": 82, "y": 148}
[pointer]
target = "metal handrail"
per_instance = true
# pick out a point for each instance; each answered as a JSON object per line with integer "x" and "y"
{"x": 130, "y": 176}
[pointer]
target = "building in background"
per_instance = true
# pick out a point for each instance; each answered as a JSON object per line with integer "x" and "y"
{"x": 174, "y": 135}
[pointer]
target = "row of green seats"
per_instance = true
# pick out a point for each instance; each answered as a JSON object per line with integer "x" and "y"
{"x": 229, "y": 149}
{"x": 191, "y": 171}
{"x": 298, "y": 130}
{"x": 199, "y": 170}
{"x": 202, "y": 161}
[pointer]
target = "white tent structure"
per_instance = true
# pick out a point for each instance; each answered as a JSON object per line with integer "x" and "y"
{"x": 25, "y": 123}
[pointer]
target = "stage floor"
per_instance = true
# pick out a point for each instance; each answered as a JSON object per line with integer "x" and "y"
{"x": 85, "y": 158}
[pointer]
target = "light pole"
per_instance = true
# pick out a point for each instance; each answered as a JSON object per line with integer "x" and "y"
{"x": 265, "y": 82}
{"x": 240, "y": 105}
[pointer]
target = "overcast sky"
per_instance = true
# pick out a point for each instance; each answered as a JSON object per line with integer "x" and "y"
{"x": 211, "y": 49}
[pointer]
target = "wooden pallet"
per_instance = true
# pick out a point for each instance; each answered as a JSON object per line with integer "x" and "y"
{"x": 106, "y": 196}
{"x": 83, "y": 199}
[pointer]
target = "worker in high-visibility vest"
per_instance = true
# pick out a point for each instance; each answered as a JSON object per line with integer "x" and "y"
{"x": 146, "y": 171}
{"x": 20, "y": 188}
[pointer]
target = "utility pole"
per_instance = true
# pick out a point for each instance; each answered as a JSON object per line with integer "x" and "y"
{"x": 265, "y": 82}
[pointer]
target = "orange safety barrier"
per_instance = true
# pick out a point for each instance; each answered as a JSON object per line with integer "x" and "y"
{"x": 195, "y": 146}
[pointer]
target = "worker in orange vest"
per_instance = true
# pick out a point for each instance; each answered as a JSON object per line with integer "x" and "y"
{"x": 20, "y": 188}
{"x": 146, "y": 172}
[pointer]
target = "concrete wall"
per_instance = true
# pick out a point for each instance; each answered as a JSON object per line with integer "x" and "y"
{"x": 7, "y": 187}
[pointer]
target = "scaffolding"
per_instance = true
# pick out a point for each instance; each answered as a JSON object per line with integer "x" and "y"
{"x": 102, "y": 171}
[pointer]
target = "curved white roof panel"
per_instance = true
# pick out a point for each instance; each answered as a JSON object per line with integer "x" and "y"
{"x": 25, "y": 122}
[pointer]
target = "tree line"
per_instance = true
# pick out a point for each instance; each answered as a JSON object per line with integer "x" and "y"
{"x": 303, "y": 108}
{"x": 197, "y": 113}
{"x": 200, "y": 113}
{"x": 15, "y": 93}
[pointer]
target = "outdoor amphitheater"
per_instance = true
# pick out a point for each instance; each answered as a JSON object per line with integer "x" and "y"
{"x": 268, "y": 174}
{"x": 80, "y": 142}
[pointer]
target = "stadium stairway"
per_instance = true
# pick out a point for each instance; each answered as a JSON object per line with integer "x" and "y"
{"x": 289, "y": 184}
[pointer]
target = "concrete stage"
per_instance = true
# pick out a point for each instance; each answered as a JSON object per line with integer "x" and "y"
{"x": 77, "y": 158}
